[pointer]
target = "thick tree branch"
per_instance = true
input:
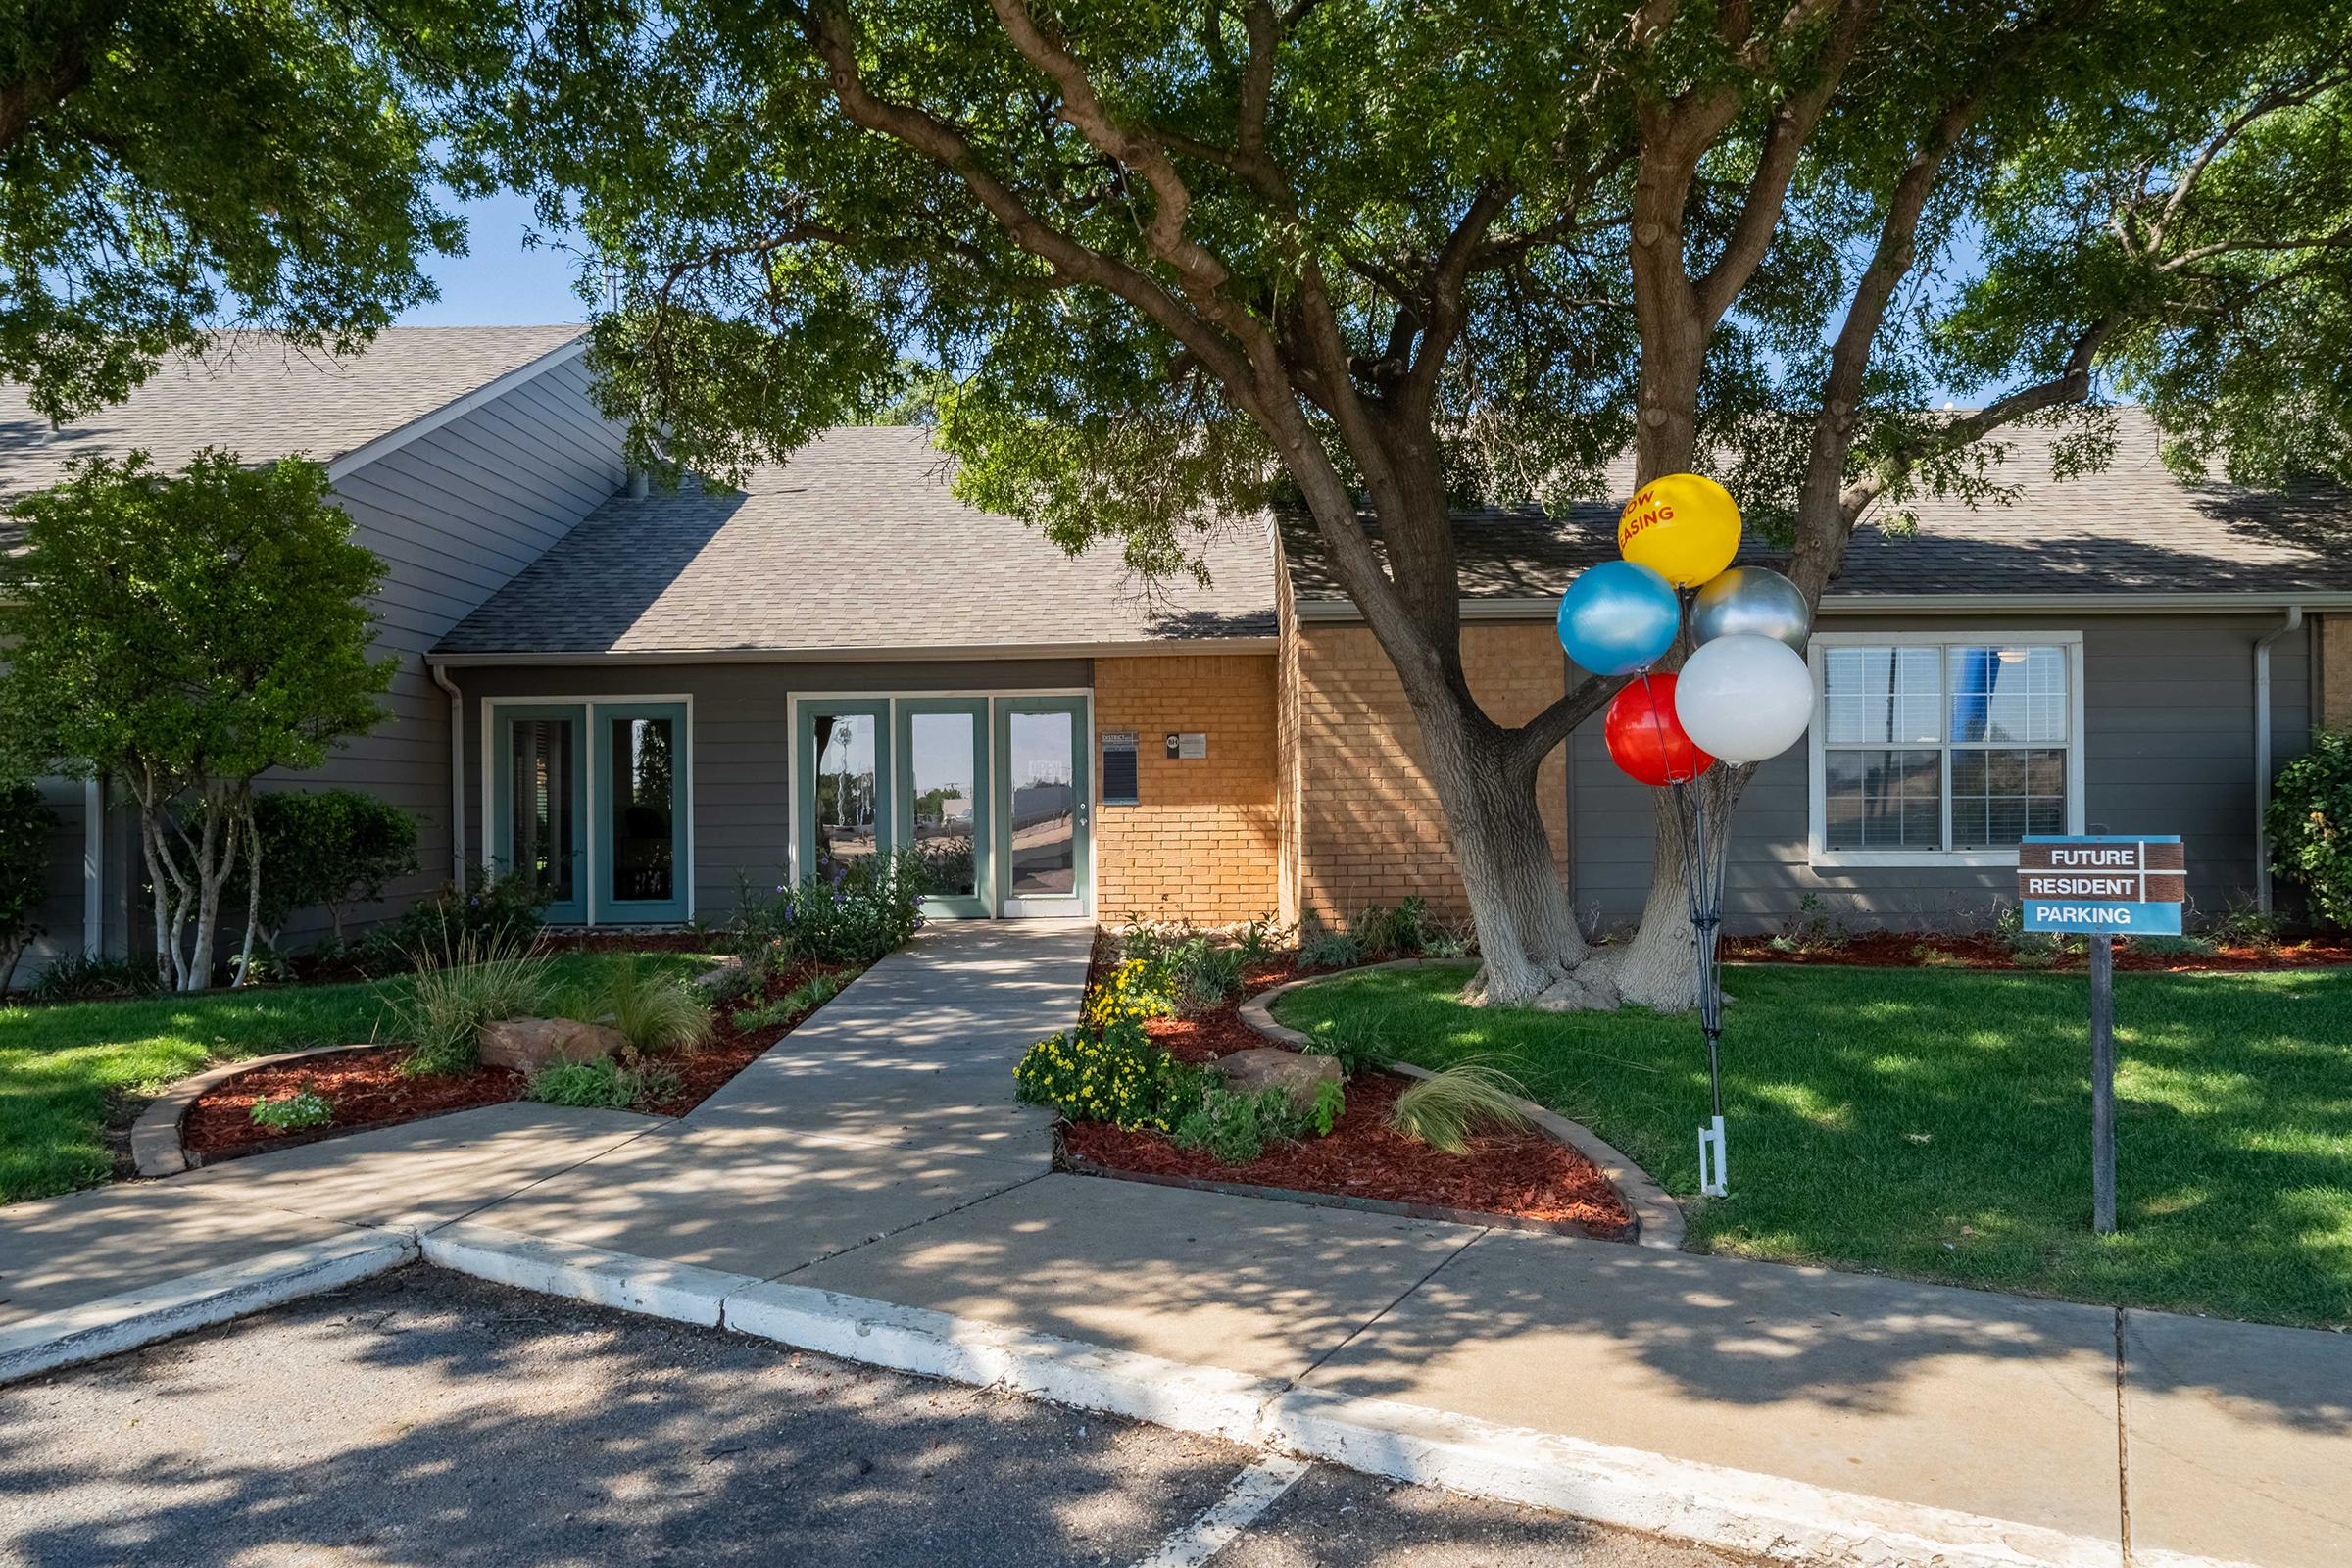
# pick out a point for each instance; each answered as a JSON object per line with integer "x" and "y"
{"x": 1534, "y": 740}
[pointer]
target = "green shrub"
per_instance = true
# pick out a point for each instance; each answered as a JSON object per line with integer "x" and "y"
{"x": 461, "y": 982}
{"x": 1363, "y": 1044}
{"x": 305, "y": 1107}
{"x": 2244, "y": 925}
{"x": 76, "y": 978}
{"x": 654, "y": 1012}
{"x": 25, "y": 827}
{"x": 1330, "y": 1105}
{"x": 1322, "y": 948}
{"x": 1235, "y": 1128}
{"x": 1258, "y": 941}
{"x": 1449, "y": 939}
{"x": 1119, "y": 1076}
{"x": 854, "y": 913}
{"x": 490, "y": 908}
{"x": 807, "y": 997}
{"x": 595, "y": 1084}
{"x": 2310, "y": 822}
{"x": 1444, "y": 1108}
{"x": 1382, "y": 932}
{"x": 2173, "y": 947}
{"x": 326, "y": 849}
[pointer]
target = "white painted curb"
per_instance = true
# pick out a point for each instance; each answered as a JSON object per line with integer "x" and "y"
{"x": 124, "y": 1322}
{"x": 1767, "y": 1516}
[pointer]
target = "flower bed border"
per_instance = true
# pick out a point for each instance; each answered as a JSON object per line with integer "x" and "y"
{"x": 1657, "y": 1217}
{"x": 155, "y": 1146}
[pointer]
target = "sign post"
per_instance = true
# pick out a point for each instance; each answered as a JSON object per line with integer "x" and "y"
{"x": 2097, "y": 885}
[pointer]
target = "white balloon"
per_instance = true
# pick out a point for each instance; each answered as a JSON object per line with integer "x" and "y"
{"x": 1743, "y": 698}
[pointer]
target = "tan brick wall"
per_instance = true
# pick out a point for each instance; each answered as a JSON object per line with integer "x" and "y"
{"x": 1370, "y": 830}
{"x": 2335, "y": 671}
{"x": 1205, "y": 841}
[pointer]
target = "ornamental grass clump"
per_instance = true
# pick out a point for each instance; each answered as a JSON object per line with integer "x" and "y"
{"x": 652, "y": 1012}
{"x": 463, "y": 980}
{"x": 1444, "y": 1108}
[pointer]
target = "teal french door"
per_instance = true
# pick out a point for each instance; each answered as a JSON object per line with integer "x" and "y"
{"x": 1042, "y": 794}
{"x": 843, "y": 750}
{"x": 590, "y": 803}
{"x": 642, "y": 784}
{"x": 943, "y": 814}
{"x": 538, "y": 821}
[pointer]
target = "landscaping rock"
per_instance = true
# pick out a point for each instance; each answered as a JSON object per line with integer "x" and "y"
{"x": 1271, "y": 1067}
{"x": 527, "y": 1045}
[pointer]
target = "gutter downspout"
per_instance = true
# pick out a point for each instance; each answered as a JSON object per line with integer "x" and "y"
{"x": 2262, "y": 754}
{"x": 457, "y": 773}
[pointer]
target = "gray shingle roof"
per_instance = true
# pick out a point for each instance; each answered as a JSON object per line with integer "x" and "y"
{"x": 2130, "y": 528}
{"x": 854, "y": 545}
{"x": 259, "y": 398}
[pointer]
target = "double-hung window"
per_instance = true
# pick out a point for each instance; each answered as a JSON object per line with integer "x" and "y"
{"x": 1931, "y": 749}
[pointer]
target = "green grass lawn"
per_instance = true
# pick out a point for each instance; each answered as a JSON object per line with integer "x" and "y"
{"x": 1937, "y": 1125}
{"x": 61, "y": 1067}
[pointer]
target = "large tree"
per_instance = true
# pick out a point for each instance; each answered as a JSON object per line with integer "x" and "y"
{"x": 179, "y": 635}
{"x": 172, "y": 167}
{"x": 1371, "y": 259}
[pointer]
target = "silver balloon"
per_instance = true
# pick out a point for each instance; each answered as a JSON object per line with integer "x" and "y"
{"x": 1750, "y": 601}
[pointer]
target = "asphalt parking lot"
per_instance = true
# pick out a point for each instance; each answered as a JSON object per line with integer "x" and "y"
{"x": 428, "y": 1418}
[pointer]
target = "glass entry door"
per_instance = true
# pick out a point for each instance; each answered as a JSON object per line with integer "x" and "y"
{"x": 641, "y": 791}
{"x": 943, "y": 800}
{"x": 1044, "y": 860}
{"x": 539, "y": 826}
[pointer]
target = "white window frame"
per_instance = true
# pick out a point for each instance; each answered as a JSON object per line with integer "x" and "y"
{"x": 682, "y": 784}
{"x": 1818, "y": 852}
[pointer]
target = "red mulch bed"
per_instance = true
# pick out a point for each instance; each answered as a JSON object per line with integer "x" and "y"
{"x": 1909, "y": 949}
{"x": 368, "y": 1089}
{"x": 1523, "y": 1175}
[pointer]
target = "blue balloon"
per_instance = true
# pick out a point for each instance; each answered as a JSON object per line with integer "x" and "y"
{"x": 1617, "y": 617}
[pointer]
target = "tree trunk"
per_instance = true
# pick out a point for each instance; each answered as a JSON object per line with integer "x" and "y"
{"x": 1533, "y": 951}
{"x": 162, "y": 879}
{"x": 253, "y": 897}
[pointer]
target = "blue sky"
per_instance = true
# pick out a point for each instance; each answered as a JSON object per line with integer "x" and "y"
{"x": 499, "y": 283}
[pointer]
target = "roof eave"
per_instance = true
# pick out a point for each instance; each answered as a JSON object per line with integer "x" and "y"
{"x": 899, "y": 655}
{"x": 2097, "y": 604}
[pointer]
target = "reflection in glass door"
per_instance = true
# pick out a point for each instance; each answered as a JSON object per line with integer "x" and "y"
{"x": 641, "y": 787}
{"x": 539, "y": 830}
{"x": 844, "y": 809}
{"x": 1042, "y": 798}
{"x": 943, "y": 800}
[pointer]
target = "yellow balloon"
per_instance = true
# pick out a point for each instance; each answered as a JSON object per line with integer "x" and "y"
{"x": 1682, "y": 526}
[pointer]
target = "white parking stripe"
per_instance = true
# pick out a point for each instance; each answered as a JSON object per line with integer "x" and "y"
{"x": 1251, "y": 1493}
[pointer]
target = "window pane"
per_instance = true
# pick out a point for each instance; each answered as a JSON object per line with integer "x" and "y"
{"x": 1999, "y": 796}
{"x": 1045, "y": 840}
{"x": 539, "y": 764}
{"x": 941, "y": 768}
{"x": 2009, "y": 695}
{"x": 1885, "y": 799}
{"x": 644, "y": 809}
{"x": 845, "y": 792}
{"x": 1883, "y": 696}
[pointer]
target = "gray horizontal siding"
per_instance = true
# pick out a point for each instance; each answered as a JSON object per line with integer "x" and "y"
{"x": 453, "y": 515}
{"x": 741, "y": 741}
{"x": 2168, "y": 748}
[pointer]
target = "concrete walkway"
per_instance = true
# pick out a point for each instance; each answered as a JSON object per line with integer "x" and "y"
{"x": 875, "y": 1157}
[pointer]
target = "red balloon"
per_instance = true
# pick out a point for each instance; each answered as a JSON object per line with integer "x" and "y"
{"x": 1644, "y": 737}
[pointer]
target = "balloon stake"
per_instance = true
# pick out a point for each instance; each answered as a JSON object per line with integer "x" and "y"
{"x": 1703, "y": 882}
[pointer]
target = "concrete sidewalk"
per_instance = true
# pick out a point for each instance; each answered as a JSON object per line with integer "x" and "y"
{"x": 875, "y": 1162}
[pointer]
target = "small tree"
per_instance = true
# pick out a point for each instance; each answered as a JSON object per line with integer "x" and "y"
{"x": 26, "y": 824}
{"x": 183, "y": 634}
{"x": 326, "y": 849}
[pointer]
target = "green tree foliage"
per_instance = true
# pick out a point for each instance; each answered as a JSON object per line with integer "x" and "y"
{"x": 168, "y": 167}
{"x": 326, "y": 849}
{"x": 1370, "y": 261}
{"x": 182, "y": 634}
{"x": 2309, "y": 824}
{"x": 25, "y": 827}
